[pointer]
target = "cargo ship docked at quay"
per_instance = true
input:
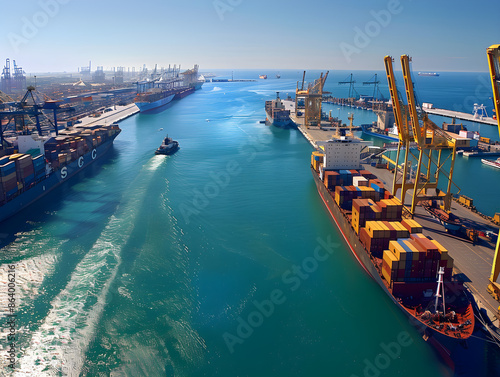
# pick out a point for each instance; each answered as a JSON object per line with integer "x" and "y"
{"x": 47, "y": 162}
{"x": 165, "y": 87}
{"x": 415, "y": 271}
{"x": 277, "y": 114}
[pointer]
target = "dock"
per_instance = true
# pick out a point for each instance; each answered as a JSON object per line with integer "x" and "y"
{"x": 117, "y": 114}
{"x": 472, "y": 262}
{"x": 459, "y": 115}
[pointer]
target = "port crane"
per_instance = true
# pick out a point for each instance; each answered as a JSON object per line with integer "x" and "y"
{"x": 312, "y": 96}
{"x": 29, "y": 106}
{"x": 414, "y": 126}
{"x": 493, "y": 54}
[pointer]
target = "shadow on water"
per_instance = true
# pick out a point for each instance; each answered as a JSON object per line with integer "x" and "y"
{"x": 281, "y": 133}
{"x": 44, "y": 209}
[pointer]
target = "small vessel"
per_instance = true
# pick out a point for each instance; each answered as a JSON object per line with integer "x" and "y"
{"x": 168, "y": 146}
{"x": 495, "y": 164}
{"x": 373, "y": 130}
{"x": 278, "y": 76}
{"x": 263, "y": 77}
{"x": 428, "y": 74}
{"x": 277, "y": 114}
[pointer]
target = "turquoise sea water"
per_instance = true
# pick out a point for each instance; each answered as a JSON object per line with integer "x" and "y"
{"x": 220, "y": 260}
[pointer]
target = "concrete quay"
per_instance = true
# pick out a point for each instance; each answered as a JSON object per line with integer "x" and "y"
{"x": 463, "y": 116}
{"x": 117, "y": 114}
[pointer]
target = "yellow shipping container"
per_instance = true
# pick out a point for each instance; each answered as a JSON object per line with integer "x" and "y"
{"x": 387, "y": 275}
{"x": 396, "y": 201}
{"x": 374, "y": 229}
{"x": 387, "y": 231}
{"x": 441, "y": 248}
{"x": 397, "y": 250}
{"x": 390, "y": 259}
{"x": 412, "y": 226}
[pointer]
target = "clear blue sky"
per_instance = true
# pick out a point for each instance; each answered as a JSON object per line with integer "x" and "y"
{"x": 63, "y": 35}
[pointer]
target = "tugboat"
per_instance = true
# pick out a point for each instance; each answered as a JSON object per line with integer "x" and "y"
{"x": 169, "y": 146}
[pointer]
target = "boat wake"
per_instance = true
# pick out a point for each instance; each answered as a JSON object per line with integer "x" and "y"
{"x": 59, "y": 345}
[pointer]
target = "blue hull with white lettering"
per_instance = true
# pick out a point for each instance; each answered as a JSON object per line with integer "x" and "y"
{"x": 51, "y": 181}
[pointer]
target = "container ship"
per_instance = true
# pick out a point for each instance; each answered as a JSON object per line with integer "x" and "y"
{"x": 170, "y": 85}
{"x": 154, "y": 98}
{"x": 415, "y": 271}
{"x": 277, "y": 114}
{"x": 45, "y": 162}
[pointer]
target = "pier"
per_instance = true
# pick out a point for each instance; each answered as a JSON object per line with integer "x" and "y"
{"x": 462, "y": 116}
{"x": 117, "y": 114}
{"x": 472, "y": 261}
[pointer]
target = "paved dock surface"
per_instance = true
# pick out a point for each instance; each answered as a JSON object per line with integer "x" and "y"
{"x": 113, "y": 116}
{"x": 473, "y": 262}
{"x": 463, "y": 116}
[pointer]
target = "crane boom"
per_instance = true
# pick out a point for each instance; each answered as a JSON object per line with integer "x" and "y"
{"x": 493, "y": 54}
{"x": 396, "y": 105}
{"x": 412, "y": 105}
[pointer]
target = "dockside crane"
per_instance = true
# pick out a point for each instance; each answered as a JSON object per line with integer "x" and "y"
{"x": 415, "y": 126}
{"x": 312, "y": 96}
{"x": 403, "y": 130}
{"x": 493, "y": 54}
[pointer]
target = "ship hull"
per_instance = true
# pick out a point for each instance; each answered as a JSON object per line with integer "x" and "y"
{"x": 491, "y": 163}
{"x": 375, "y": 134}
{"x": 148, "y": 106}
{"x": 285, "y": 123}
{"x": 52, "y": 181}
{"x": 441, "y": 342}
{"x": 198, "y": 85}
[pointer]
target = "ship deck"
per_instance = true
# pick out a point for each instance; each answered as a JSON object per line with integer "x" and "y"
{"x": 472, "y": 261}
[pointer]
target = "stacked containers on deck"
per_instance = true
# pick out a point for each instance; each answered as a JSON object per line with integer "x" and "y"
{"x": 392, "y": 209}
{"x": 377, "y": 185}
{"x": 316, "y": 159}
{"x": 39, "y": 166}
{"x": 25, "y": 171}
{"x": 359, "y": 181}
{"x": 375, "y": 236}
{"x": 367, "y": 174}
{"x": 346, "y": 177}
{"x": 344, "y": 195}
{"x": 362, "y": 211}
{"x": 331, "y": 179}
{"x": 412, "y": 226}
{"x": 8, "y": 178}
{"x": 415, "y": 259}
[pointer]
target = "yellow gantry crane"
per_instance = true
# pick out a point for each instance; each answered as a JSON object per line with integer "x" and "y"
{"x": 415, "y": 126}
{"x": 312, "y": 96}
{"x": 493, "y": 53}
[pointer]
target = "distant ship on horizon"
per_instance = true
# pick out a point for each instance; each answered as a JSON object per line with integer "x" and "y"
{"x": 428, "y": 74}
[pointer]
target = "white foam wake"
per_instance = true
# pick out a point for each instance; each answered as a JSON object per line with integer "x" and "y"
{"x": 59, "y": 345}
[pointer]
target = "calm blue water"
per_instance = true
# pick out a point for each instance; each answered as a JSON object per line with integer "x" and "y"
{"x": 217, "y": 261}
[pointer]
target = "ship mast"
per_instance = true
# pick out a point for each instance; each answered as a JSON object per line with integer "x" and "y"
{"x": 440, "y": 288}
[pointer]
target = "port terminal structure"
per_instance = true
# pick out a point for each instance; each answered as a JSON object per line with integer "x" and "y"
{"x": 473, "y": 260}
{"x": 463, "y": 116}
{"x": 493, "y": 55}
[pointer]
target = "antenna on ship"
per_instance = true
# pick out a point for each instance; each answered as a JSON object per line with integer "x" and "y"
{"x": 440, "y": 288}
